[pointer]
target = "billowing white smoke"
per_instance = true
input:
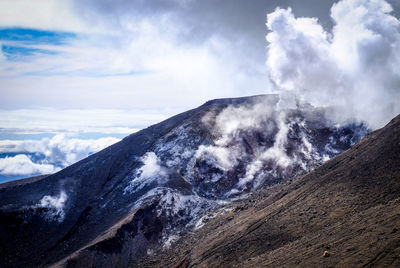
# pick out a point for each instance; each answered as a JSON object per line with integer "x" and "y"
{"x": 355, "y": 67}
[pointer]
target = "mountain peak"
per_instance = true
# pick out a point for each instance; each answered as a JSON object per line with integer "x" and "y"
{"x": 267, "y": 98}
{"x": 164, "y": 182}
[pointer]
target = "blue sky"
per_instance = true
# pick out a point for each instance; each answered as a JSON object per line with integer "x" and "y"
{"x": 22, "y": 41}
{"x": 35, "y": 36}
{"x": 79, "y": 75}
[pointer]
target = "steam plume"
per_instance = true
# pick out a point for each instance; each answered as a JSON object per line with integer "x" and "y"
{"x": 355, "y": 67}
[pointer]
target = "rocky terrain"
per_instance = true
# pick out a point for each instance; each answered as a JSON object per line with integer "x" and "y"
{"x": 164, "y": 188}
{"x": 346, "y": 213}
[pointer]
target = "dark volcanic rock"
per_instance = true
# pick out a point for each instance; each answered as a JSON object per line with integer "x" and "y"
{"x": 138, "y": 196}
{"x": 345, "y": 213}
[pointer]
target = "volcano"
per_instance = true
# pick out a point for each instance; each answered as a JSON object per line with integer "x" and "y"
{"x": 345, "y": 213}
{"x": 143, "y": 201}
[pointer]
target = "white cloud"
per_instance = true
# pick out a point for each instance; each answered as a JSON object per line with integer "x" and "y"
{"x": 355, "y": 67}
{"x": 42, "y": 14}
{"x": 23, "y": 165}
{"x": 107, "y": 121}
{"x": 58, "y": 151}
{"x": 136, "y": 63}
{"x": 138, "y": 68}
{"x": 68, "y": 151}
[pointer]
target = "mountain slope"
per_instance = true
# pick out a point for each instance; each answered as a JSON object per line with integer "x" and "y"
{"x": 141, "y": 194}
{"x": 348, "y": 207}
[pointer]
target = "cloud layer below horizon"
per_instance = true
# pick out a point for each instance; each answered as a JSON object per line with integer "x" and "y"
{"x": 46, "y": 156}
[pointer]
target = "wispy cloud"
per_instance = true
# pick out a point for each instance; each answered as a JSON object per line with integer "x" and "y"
{"x": 75, "y": 121}
{"x": 43, "y": 14}
{"x": 138, "y": 61}
{"x": 35, "y": 36}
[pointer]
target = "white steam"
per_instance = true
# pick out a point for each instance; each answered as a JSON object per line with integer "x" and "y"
{"x": 354, "y": 67}
{"x": 260, "y": 142}
{"x": 227, "y": 148}
{"x": 151, "y": 166}
{"x": 234, "y": 128}
{"x": 276, "y": 153}
{"x": 55, "y": 206}
{"x": 150, "y": 171}
{"x": 234, "y": 119}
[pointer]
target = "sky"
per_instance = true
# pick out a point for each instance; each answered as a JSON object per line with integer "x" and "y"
{"x": 77, "y": 76}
